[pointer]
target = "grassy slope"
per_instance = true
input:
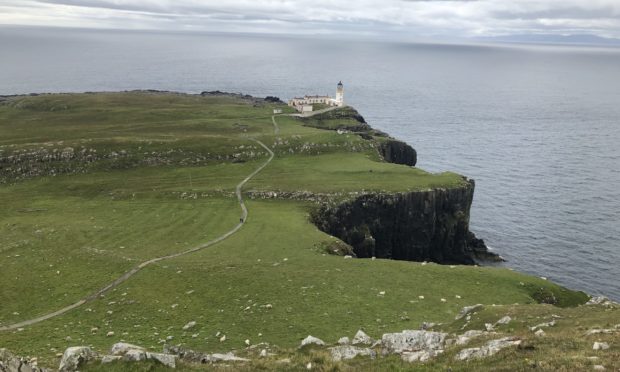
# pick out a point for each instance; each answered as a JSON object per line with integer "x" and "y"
{"x": 92, "y": 227}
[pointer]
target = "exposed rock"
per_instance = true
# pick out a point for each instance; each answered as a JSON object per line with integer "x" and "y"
{"x": 121, "y": 348}
{"x": 344, "y": 352}
{"x": 228, "y": 357}
{"x": 601, "y": 331}
{"x": 601, "y": 300}
{"x": 134, "y": 355}
{"x": 539, "y": 333}
{"x": 74, "y": 357}
{"x": 504, "y": 320}
{"x": 344, "y": 341}
{"x": 12, "y": 363}
{"x": 430, "y": 225}
{"x": 110, "y": 358}
{"x": 412, "y": 341}
{"x": 468, "y": 309}
{"x": 311, "y": 340}
{"x": 600, "y": 346}
{"x": 419, "y": 356}
{"x": 189, "y": 325}
{"x": 542, "y": 325}
{"x": 166, "y": 359}
{"x": 361, "y": 338}
{"x": 490, "y": 348}
{"x": 398, "y": 152}
{"x": 467, "y": 336}
{"x": 598, "y": 367}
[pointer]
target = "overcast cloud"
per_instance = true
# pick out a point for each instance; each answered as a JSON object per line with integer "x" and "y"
{"x": 423, "y": 18}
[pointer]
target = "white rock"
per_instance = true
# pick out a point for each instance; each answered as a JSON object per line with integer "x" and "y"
{"x": 247, "y": 342}
{"x": 541, "y": 325}
{"x": 539, "y": 333}
{"x": 223, "y": 338}
{"x": 600, "y": 331}
{"x": 600, "y": 346}
{"x": 504, "y": 320}
{"x": 467, "y": 336}
{"x": 121, "y": 348}
{"x": 311, "y": 340}
{"x": 419, "y": 356}
{"x": 134, "y": 355}
{"x": 228, "y": 357}
{"x": 110, "y": 334}
{"x": 309, "y": 365}
{"x": 168, "y": 360}
{"x": 263, "y": 353}
{"x": 344, "y": 341}
{"x": 74, "y": 357}
{"x": 468, "y": 309}
{"x": 189, "y": 325}
{"x": 344, "y": 352}
{"x": 413, "y": 341}
{"x": 361, "y": 338}
{"x": 488, "y": 349}
{"x": 598, "y": 367}
{"x": 346, "y": 257}
{"x": 110, "y": 358}
{"x": 489, "y": 327}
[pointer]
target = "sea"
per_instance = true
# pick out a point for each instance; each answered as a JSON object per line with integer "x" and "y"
{"x": 537, "y": 126}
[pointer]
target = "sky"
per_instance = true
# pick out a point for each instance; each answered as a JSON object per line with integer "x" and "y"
{"x": 364, "y": 18}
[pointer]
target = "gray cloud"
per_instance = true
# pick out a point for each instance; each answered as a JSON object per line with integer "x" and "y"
{"x": 408, "y": 17}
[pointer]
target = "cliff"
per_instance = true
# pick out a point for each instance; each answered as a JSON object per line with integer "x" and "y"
{"x": 428, "y": 225}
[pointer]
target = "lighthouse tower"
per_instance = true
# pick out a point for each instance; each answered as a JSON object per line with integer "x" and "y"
{"x": 340, "y": 94}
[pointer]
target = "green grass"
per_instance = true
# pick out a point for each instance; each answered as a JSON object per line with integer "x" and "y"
{"x": 63, "y": 237}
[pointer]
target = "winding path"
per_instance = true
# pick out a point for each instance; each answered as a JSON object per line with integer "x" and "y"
{"x": 132, "y": 272}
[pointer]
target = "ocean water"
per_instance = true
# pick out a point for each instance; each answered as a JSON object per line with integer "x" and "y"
{"x": 537, "y": 127}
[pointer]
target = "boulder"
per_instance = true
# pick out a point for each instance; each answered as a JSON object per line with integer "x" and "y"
{"x": 344, "y": 341}
{"x": 228, "y": 357}
{"x": 74, "y": 357}
{"x": 413, "y": 341}
{"x": 600, "y": 346}
{"x": 189, "y": 325}
{"x": 344, "y": 352}
{"x": 419, "y": 356}
{"x": 504, "y": 320}
{"x": 541, "y": 325}
{"x": 539, "y": 333}
{"x": 488, "y": 349}
{"x": 12, "y": 363}
{"x": 121, "y": 348}
{"x": 468, "y": 309}
{"x": 110, "y": 358}
{"x": 134, "y": 355}
{"x": 361, "y": 338}
{"x": 311, "y": 340}
{"x": 166, "y": 359}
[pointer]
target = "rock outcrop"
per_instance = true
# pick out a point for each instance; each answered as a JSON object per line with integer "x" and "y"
{"x": 74, "y": 357}
{"x": 398, "y": 152}
{"x": 430, "y": 225}
{"x": 13, "y": 363}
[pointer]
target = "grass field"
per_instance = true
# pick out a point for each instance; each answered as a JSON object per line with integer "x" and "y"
{"x": 66, "y": 235}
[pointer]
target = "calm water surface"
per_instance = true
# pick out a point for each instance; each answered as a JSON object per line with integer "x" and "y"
{"x": 537, "y": 127}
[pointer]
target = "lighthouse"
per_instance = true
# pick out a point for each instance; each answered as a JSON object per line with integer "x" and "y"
{"x": 340, "y": 94}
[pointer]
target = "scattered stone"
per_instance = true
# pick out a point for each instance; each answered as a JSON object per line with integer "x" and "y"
{"x": 426, "y": 325}
{"x": 247, "y": 342}
{"x": 504, "y": 320}
{"x": 419, "y": 356}
{"x": 539, "y": 333}
{"x": 598, "y": 367}
{"x": 311, "y": 340}
{"x": 110, "y": 358}
{"x": 121, "y": 348}
{"x": 601, "y": 300}
{"x": 74, "y": 357}
{"x": 12, "y": 363}
{"x": 489, "y": 327}
{"x": 541, "y": 325}
{"x": 361, "y": 338}
{"x": 344, "y": 341}
{"x": 228, "y": 357}
{"x": 600, "y": 331}
{"x": 468, "y": 309}
{"x": 223, "y": 338}
{"x": 344, "y": 352}
{"x": 600, "y": 346}
{"x": 490, "y": 348}
{"x": 189, "y": 325}
{"x": 412, "y": 341}
{"x": 134, "y": 355}
{"x": 110, "y": 334}
{"x": 263, "y": 353}
{"x": 467, "y": 336}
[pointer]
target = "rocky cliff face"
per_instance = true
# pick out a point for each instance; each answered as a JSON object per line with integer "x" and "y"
{"x": 417, "y": 226}
{"x": 398, "y": 152}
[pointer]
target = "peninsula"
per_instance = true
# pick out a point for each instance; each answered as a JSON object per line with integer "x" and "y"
{"x": 223, "y": 228}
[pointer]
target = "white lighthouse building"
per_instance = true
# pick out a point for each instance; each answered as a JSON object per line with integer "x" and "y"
{"x": 304, "y": 104}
